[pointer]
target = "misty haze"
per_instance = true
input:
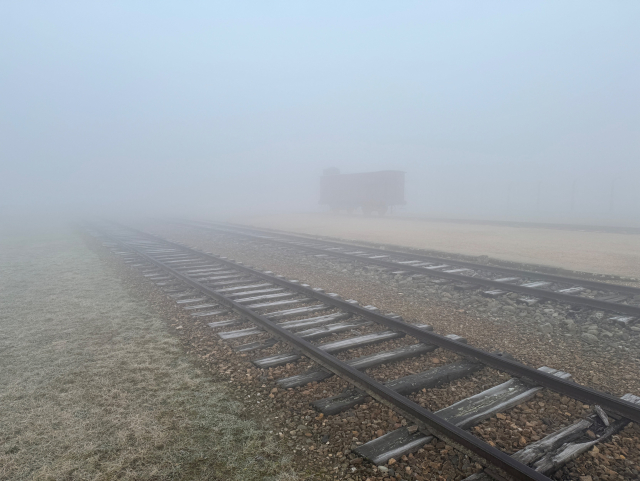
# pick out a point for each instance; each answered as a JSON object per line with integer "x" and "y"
{"x": 331, "y": 240}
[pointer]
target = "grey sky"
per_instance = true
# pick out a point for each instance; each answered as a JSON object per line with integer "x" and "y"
{"x": 111, "y": 105}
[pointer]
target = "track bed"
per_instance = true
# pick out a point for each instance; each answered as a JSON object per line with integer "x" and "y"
{"x": 368, "y": 328}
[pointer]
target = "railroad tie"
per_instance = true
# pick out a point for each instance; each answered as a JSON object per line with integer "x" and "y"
{"x": 612, "y": 298}
{"x": 572, "y": 290}
{"x": 215, "y": 285}
{"x": 404, "y": 385}
{"x": 623, "y": 321}
{"x": 359, "y": 341}
{"x": 463, "y": 414}
{"x": 536, "y": 284}
{"x": 254, "y": 292}
{"x": 279, "y": 295}
{"x": 210, "y": 313}
{"x": 323, "y": 331}
{"x": 493, "y": 293}
{"x": 182, "y": 261}
{"x": 553, "y": 451}
{"x": 330, "y": 347}
{"x": 246, "y": 286}
{"x": 263, "y": 305}
{"x": 315, "y": 321}
{"x": 189, "y": 301}
{"x": 203, "y": 269}
{"x": 222, "y": 278}
{"x": 308, "y": 334}
{"x": 365, "y": 362}
{"x": 200, "y": 306}
{"x": 298, "y": 311}
{"x": 336, "y": 346}
{"x": 508, "y": 279}
{"x": 216, "y": 272}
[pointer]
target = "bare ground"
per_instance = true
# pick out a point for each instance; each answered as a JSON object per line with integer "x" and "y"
{"x": 598, "y": 252}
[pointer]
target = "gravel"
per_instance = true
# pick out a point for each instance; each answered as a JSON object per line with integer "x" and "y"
{"x": 600, "y": 252}
{"x": 483, "y": 322}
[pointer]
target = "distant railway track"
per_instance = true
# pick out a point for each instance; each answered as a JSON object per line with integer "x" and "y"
{"x": 271, "y": 308}
{"x": 494, "y": 281}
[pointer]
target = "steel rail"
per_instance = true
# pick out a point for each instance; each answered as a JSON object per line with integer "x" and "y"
{"x": 429, "y": 422}
{"x": 472, "y": 265}
{"x": 569, "y": 388}
{"x": 557, "y": 296}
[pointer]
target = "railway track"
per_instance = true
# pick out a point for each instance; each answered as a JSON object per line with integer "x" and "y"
{"x": 246, "y": 304}
{"x": 492, "y": 281}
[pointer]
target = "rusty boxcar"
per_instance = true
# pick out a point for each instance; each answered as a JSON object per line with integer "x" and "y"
{"x": 369, "y": 191}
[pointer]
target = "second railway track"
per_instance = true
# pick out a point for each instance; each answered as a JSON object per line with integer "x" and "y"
{"x": 623, "y": 302}
{"x": 277, "y": 309}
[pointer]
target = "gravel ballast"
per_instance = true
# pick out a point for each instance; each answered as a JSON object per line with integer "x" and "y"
{"x": 496, "y": 333}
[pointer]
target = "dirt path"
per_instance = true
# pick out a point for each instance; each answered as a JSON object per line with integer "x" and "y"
{"x": 598, "y": 252}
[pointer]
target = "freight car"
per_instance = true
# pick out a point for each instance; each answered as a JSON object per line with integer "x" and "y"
{"x": 369, "y": 191}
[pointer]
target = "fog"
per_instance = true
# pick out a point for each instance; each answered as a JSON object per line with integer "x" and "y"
{"x": 496, "y": 110}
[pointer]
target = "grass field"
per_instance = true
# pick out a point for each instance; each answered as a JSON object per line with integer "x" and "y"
{"x": 92, "y": 385}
